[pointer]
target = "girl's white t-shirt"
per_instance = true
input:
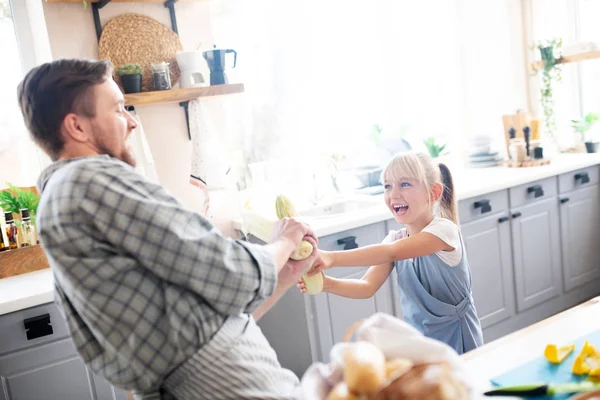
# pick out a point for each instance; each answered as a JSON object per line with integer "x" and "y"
{"x": 444, "y": 229}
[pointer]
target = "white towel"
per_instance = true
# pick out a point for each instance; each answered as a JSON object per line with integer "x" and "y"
{"x": 142, "y": 154}
{"x": 210, "y": 161}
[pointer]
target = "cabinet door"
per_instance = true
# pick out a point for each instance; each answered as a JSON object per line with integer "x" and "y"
{"x": 332, "y": 315}
{"x": 537, "y": 254}
{"x": 51, "y": 371}
{"x": 489, "y": 251}
{"x": 580, "y": 221}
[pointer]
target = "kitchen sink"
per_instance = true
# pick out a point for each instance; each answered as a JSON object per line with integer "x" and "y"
{"x": 336, "y": 209}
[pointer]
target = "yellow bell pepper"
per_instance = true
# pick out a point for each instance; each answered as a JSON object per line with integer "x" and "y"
{"x": 556, "y": 354}
{"x": 579, "y": 366}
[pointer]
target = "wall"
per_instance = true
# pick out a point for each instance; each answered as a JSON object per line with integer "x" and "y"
{"x": 72, "y": 34}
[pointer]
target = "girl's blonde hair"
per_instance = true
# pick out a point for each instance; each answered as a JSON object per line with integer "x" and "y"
{"x": 422, "y": 168}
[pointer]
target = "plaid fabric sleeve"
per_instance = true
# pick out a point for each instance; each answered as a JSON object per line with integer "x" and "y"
{"x": 141, "y": 220}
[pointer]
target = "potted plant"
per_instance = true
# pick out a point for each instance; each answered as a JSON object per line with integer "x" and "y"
{"x": 588, "y": 130}
{"x": 435, "y": 147}
{"x": 550, "y": 68}
{"x": 131, "y": 77}
{"x": 15, "y": 199}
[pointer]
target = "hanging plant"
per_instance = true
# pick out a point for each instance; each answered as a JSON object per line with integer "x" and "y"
{"x": 551, "y": 69}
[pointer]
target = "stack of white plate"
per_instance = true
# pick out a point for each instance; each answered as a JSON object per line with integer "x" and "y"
{"x": 481, "y": 154}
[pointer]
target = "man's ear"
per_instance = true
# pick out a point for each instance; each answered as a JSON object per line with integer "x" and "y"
{"x": 75, "y": 127}
{"x": 436, "y": 191}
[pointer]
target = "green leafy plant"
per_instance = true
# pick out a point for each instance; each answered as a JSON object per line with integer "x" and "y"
{"x": 551, "y": 70}
{"x": 435, "y": 147}
{"x": 130, "y": 69}
{"x": 378, "y": 133}
{"x": 21, "y": 199}
{"x": 582, "y": 126}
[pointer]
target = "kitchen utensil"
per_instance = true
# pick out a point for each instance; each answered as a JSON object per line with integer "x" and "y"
{"x": 526, "y": 132}
{"x": 193, "y": 66}
{"x": 216, "y": 62}
{"x": 549, "y": 389}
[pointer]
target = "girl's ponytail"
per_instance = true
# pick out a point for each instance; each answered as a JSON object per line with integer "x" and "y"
{"x": 448, "y": 208}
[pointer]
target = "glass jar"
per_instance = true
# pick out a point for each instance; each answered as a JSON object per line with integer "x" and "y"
{"x": 161, "y": 76}
{"x": 518, "y": 150}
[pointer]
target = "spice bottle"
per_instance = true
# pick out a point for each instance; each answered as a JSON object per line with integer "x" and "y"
{"x": 161, "y": 76}
{"x": 3, "y": 239}
{"x": 11, "y": 231}
{"x": 27, "y": 229}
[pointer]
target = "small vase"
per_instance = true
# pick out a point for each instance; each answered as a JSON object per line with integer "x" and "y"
{"x": 132, "y": 83}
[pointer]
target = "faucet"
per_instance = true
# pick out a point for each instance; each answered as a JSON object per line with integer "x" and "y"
{"x": 333, "y": 176}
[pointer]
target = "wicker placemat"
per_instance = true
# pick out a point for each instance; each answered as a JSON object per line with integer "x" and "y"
{"x": 137, "y": 39}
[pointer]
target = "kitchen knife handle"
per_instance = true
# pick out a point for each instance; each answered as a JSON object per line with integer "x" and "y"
{"x": 522, "y": 390}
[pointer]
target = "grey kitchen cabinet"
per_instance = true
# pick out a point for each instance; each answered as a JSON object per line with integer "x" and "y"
{"x": 489, "y": 251}
{"x": 38, "y": 360}
{"x": 302, "y": 328}
{"x": 536, "y": 252}
{"x": 580, "y": 233}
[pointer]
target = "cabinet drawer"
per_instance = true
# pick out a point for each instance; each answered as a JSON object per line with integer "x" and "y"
{"x": 482, "y": 206}
{"x": 533, "y": 191}
{"x": 44, "y": 322}
{"x": 359, "y": 237}
{"x": 578, "y": 179}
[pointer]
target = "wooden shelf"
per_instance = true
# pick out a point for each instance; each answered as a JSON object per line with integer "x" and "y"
{"x": 180, "y": 95}
{"x": 22, "y": 261}
{"x": 572, "y": 58}
{"x": 119, "y": 1}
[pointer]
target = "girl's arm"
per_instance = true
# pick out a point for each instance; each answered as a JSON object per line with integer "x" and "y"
{"x": 421, "y": 244}
{"x": 362, "y": 288}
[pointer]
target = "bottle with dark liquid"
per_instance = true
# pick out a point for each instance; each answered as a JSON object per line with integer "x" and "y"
{"x": 11, "y": 231}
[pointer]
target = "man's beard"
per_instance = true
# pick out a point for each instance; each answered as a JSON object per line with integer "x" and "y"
{"x": 126, "y": 156}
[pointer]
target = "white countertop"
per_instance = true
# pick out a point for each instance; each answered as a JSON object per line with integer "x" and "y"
{"x": 26, "y": 290}
{"x": 29, "y": 290}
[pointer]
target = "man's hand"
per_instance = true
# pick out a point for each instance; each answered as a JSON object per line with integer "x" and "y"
{"x": 292, "y": 230}
{"x": 293, "y": 270}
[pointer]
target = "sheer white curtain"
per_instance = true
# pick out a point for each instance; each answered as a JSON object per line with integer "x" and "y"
{"x": 320, "y": 74}
{"x": 24, "y": 44}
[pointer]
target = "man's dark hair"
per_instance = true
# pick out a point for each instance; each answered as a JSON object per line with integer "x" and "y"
{"x": 51, "y": 91}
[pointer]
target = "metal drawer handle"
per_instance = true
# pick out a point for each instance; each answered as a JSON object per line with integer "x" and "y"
{"x": 564, "y": 200}
{"x": 516, "y": 215}
{"x": 584, "y": 177}
{"x": 537, "y": 190}
{"x": 37, "y": 327}
{"x": 348, "y": 242}
{"x": 484, "y": 205}
{"x": 503, "y": 219}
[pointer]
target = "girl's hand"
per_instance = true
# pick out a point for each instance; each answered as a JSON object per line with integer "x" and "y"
{"x": 302, "y": 286}
{"x": 323, "y": 262}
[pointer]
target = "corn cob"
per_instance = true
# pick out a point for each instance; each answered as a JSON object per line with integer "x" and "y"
{"x": 284, "y": 208}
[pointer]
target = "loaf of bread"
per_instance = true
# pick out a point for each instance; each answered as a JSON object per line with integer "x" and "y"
{"x": 434, "y": 381}
{"x": 364, "y": 368}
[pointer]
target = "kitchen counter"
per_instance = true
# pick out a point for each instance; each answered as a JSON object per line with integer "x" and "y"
{"x": 518, "y": 348}
{"x": 26, "y": 290}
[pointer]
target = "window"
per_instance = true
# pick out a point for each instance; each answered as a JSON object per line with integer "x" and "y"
{"x": 20, "y": 160}
{"x": 320, "y": 75}
{"x": 575, "y": 22}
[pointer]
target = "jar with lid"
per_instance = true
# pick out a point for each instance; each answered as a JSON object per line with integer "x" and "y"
{"x": 161, "y": 76}
{"x": 518, "y": 150}
{"x": 27, "y": 230}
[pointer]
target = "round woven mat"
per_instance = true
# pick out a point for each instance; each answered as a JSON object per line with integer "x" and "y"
{"x": 137, "y": 39}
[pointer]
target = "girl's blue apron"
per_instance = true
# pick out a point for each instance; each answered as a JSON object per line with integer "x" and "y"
{"x": 436, "y": 299}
